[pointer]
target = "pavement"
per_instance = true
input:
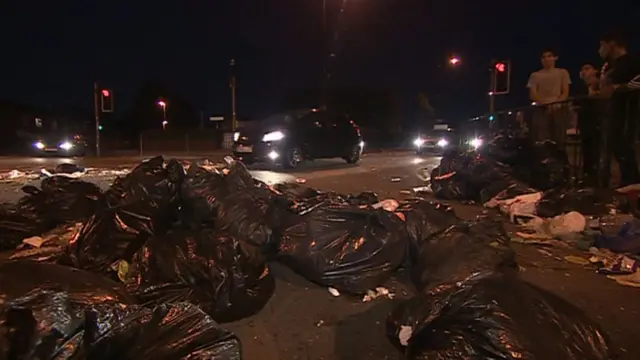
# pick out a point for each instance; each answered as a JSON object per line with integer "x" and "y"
{"x": 304, "y": 321}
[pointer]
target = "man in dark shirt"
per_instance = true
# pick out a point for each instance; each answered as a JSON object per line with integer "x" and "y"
{"x": 621, "y": 68}
{"x": 589, "y": 122}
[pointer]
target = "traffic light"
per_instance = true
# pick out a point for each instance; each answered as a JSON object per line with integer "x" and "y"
{"x": 501, "y": 73}
{"x": 106, "y": 100}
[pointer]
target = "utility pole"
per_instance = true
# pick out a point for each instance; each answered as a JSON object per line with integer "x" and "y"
{"x": 96, "y": 110}
{"x": 325, "y": 48}
{"x": 232, "y": 85}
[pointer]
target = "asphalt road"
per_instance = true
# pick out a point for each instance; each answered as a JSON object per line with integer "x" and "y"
{"x": 304, "y": 321}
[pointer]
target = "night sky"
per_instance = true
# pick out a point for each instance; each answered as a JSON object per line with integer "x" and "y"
{"x": 52, "y": 51}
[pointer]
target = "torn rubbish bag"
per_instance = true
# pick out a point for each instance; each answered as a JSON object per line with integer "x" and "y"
{"x": 171, "y": 331}
{"x": 228, "y": 279}
{"x": 350, "y": 249}
{"x": 460, "y": 251}
{"x": 112, "y": 236}
{"x": 495, "y": 316}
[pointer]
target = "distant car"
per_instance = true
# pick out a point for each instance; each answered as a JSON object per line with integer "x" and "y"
{"x": 288, "y": 138}
{"x": 57, "y": 144}
{"x": 437, "y": 140}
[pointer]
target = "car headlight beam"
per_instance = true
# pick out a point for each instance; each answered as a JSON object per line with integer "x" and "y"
{"x": 475, "y": 143}
{"x": 273, "y": 136}
{"x": 443, "y": 143}
{"x": 418, "y": 142}
{"x": 38, "y": 145}
{"x": 66, "y": 145}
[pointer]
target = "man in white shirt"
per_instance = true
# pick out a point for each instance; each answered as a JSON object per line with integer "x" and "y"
{"x": 549, "y": 86}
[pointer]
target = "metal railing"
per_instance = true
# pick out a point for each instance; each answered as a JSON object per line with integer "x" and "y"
{"x": 593, "y": 131}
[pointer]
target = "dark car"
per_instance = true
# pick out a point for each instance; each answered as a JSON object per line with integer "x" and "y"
{"x": 436, "y": 140}
{"x": 58, "y": 144}
{"x": 291, "y": 137}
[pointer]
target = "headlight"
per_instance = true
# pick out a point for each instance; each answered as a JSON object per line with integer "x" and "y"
{"x": 443, "y": 142}
{"x": 38, "y": 145}
{"x": 273, "y": 136}
{"x": 66, "y": 145}
{"x": 476, "y": 143}
{"x": 418, "y": 142}
{"x": 236, "y": 136}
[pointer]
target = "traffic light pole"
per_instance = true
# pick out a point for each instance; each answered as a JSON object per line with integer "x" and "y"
{"x": 97, "y": 117}
{"x": 234, "y": 120}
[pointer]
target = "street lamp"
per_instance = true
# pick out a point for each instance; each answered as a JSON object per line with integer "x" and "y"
{"x": 454, "y": 60}
{"x": 163, "y": 105}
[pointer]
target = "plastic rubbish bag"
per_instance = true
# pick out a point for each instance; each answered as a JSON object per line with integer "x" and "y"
{"x": 495, "y": 316}
{"x": 549, "y": 166}
{"x": 424, "y": 219}
{"x": 69, "y": 200}
{"x": 175, "y": 331}
{"x": 250, "y": 215}
{"x": 21, "y": 278}
{"x": 111, "y": 236}
{"x": 153, "y": 181}
{"x": 200, "y": 193}
{"x": 228, "y": 279}
{"x": 588, "y": 202}
{"x": 46, "y": 325}
{"x": 350, "y": 249}
{"x": 462, "y": 250}
{"x": 28, "y": 217}
{"x": 626, "y": 241}
{"x": 42, "y": 305}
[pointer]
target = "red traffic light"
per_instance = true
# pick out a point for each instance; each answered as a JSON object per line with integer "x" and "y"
{"x": 501, "y": 67}
{"x": 106, "y": 93}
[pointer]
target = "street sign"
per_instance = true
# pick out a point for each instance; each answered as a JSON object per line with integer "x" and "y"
{"x": 216, "y": 118}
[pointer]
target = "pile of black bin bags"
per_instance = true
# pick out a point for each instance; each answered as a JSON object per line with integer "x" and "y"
{"x": 165, "y": 254}
{"x": 509, "y": 160}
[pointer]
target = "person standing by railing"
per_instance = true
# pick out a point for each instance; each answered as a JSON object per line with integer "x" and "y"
{"x": 549, "y": 86}
{"x": 589, "y": 122}
{"x": 620, "y": 70}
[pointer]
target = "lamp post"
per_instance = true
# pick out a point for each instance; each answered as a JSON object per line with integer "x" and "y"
{"x": 163, "y": 105}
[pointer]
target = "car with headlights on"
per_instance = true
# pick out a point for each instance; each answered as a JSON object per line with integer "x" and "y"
{"x": 291, "y": 137}
{"x": 57, "y": 144}
{"x": 437, "y": 140}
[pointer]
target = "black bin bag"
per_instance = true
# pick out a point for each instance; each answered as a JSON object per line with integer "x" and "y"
{"x": 42, "y": 306}
{"x": 170, "y": 331}
{"x": 27, "y": 217}
{"x": 228, "y": 279}
{"x": 154, "y": 181}
{"x": 350, "y": 249}
{"x": 200, "y": 193}
{"x": 70, "y": 200}
{"x": 494, "y": 316}
{"x": 462, "y": 250}
{"x": 423, "y": 219}
{"x": 112, "y": 236}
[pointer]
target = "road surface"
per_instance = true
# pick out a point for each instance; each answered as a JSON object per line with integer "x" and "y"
{"x": 303, "y": 321}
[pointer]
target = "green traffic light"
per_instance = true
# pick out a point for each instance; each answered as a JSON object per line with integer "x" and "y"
{"x": 491, "y": 118}
{"x": 100, "y": 127}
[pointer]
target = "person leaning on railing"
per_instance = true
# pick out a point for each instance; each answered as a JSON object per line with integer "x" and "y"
{"x": 616, "y": 86}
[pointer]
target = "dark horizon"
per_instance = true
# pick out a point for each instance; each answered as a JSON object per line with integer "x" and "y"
{"x": 58, "y": 50}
